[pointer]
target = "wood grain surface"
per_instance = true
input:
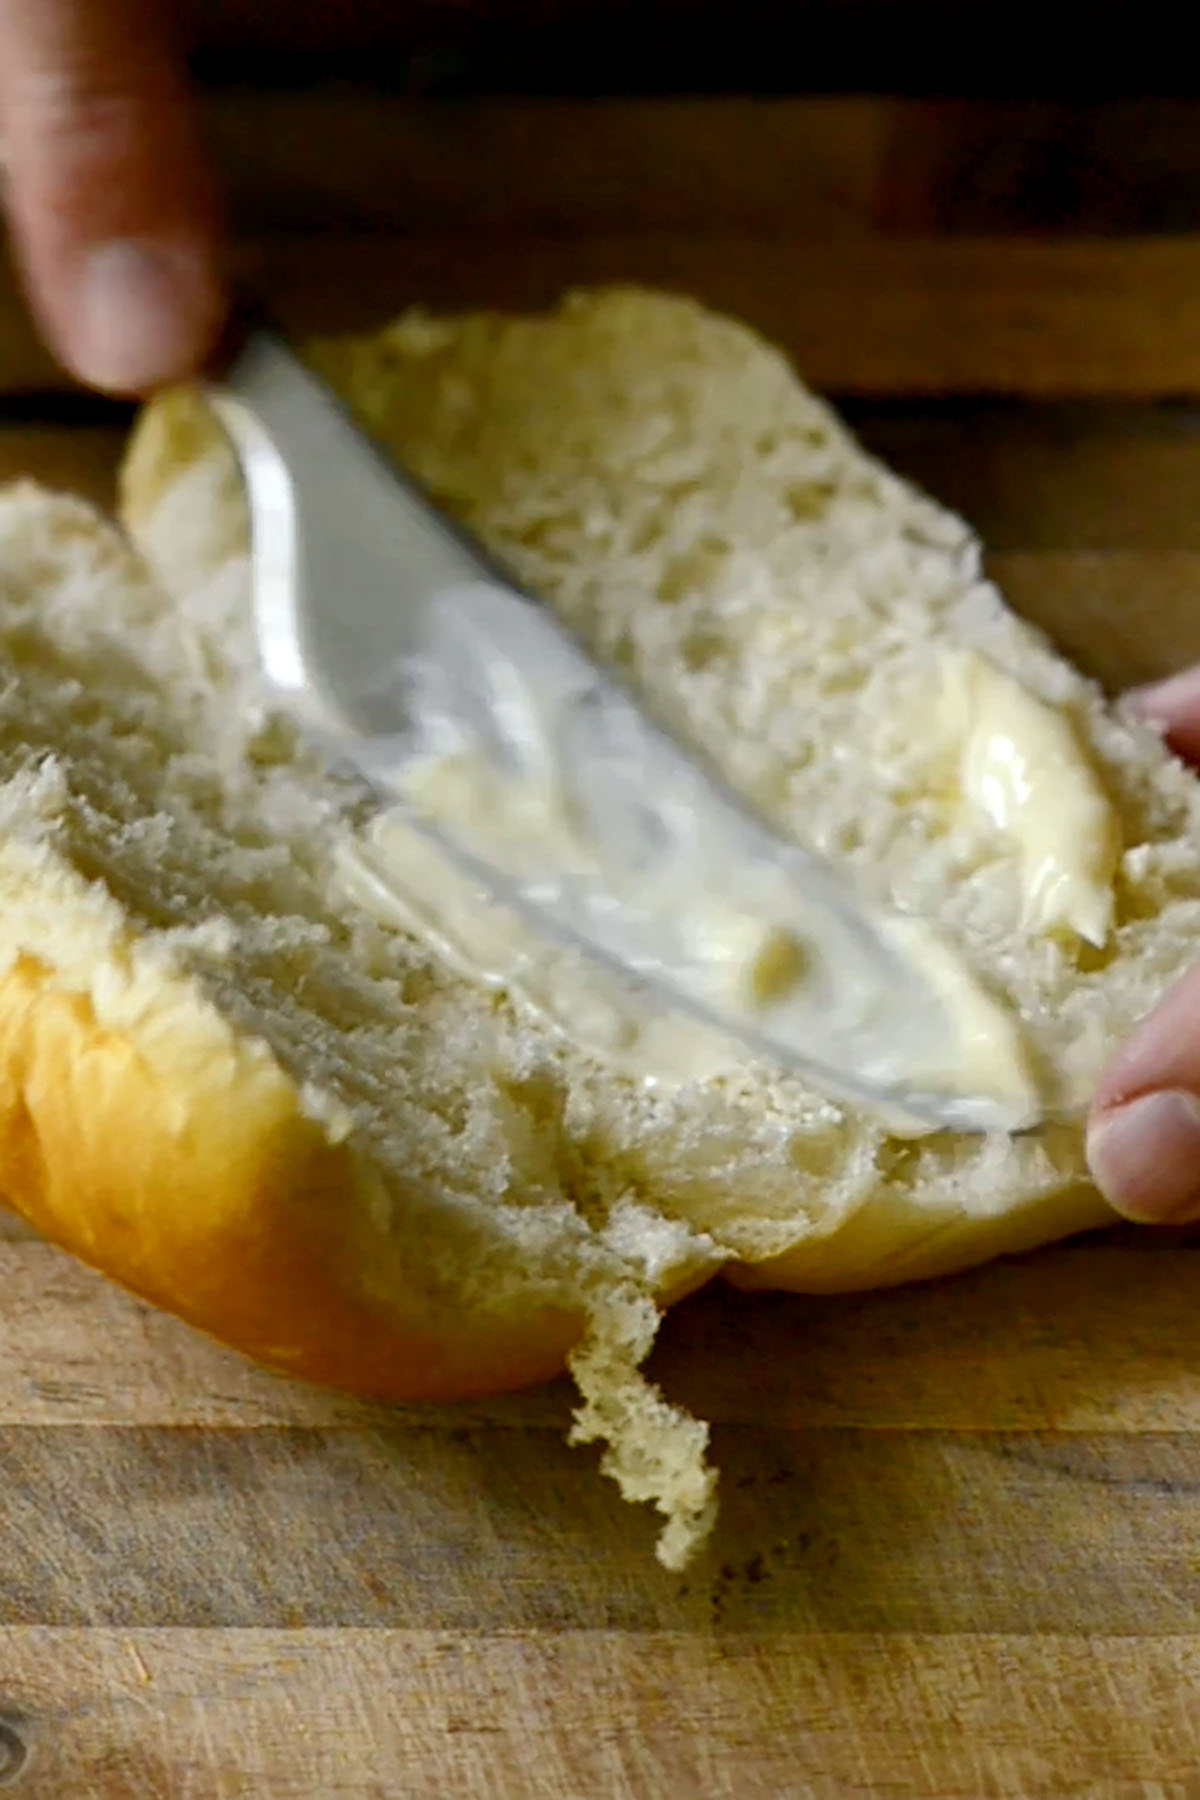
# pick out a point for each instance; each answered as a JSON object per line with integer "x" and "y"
{"x": 960, "y": 1549}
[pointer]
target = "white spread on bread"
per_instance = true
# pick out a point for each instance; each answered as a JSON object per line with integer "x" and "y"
{"x": 1024, "y": 768}
{"x": 752, "y": 959}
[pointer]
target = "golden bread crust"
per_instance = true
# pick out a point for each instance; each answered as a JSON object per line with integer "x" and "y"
{"x": 881, "y": 1246}
{"x": 175, "y": 432}
{"x": 195, "y": 1179}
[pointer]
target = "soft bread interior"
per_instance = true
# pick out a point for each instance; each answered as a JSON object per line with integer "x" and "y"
{"x": 662, "y": 477}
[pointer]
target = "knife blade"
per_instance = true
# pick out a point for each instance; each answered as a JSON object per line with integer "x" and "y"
{"x": 404, "y": 650}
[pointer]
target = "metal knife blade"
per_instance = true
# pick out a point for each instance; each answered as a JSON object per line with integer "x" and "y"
{"x": 388, "y": 634}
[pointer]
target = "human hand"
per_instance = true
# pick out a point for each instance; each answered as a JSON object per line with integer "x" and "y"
{"x": 107, "y": 189}
{"x": 1144, "y": 1129}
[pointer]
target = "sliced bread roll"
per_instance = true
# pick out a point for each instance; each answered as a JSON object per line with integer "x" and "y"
{"x": 401, "y": 1146}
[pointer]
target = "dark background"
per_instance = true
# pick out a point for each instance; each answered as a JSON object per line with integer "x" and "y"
{"x": 919, "y": 47}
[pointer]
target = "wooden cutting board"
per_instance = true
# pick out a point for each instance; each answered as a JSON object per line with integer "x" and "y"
{"x": 960, "y": 1548}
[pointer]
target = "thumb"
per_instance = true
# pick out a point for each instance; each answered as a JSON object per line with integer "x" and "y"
{"x": 1144, "y": 1128}
{"x": 108, "y": 194}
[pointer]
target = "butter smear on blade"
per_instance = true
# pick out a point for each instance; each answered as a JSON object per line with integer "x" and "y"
{"x": 405, "y": 880}
{"x": 748, "y": 957}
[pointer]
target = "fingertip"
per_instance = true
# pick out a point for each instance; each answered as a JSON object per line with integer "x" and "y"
{"x": 110, "y": 194}
{"x": 1143, "y": 1141}
{"x": 1173, "y": 706}
{"x": 138, "y": 314}
{"x": 1144, "y": 1156}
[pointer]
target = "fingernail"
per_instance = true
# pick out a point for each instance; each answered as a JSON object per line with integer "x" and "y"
{"x": 142, "y": 315}
{"x": 1145, "y": 1158}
